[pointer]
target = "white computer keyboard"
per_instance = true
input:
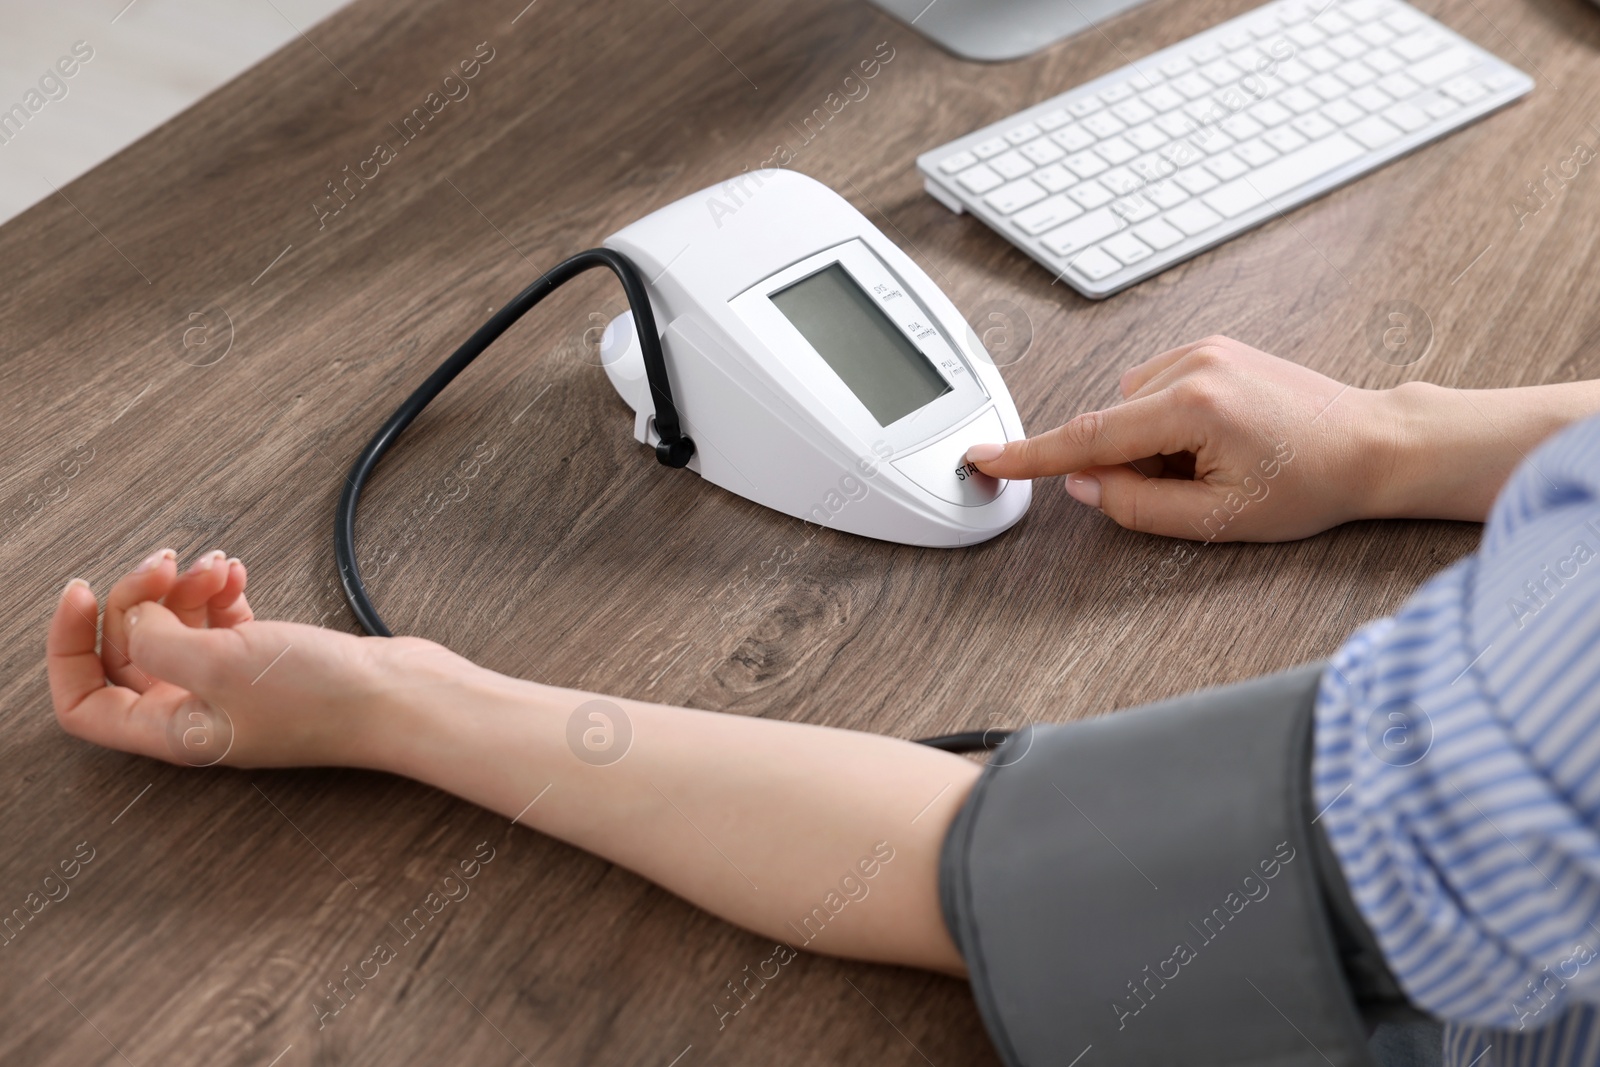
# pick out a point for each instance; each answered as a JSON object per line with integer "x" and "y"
{"x": 1124, "y": 176}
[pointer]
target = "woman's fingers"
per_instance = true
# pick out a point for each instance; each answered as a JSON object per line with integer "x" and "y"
{"x": 190, "y": 594}
{"x": 149, "y": 581}
{"x": 195, "y": 658}
{"x": 1137, "y": 377}
{"x": 1148, "y": 426}
{"x": 1172, "y": 507}
{"x": 75, "y": 670}
{"x": 229, "y": 607}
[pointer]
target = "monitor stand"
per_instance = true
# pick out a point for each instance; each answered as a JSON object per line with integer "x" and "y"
{"x": 993, "y": 30}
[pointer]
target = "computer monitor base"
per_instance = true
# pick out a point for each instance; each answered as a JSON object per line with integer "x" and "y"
{"x": 993, "y": 30}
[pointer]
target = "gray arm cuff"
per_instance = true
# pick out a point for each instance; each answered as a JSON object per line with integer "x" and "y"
{"x": 1146, "y": 885}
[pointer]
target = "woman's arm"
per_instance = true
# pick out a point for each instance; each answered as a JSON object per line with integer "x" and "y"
{"x": 820, "y": 838}
{"x": 1216, "y": 441}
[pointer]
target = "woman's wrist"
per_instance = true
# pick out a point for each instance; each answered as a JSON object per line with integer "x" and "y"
{"x": 421, "y": 701}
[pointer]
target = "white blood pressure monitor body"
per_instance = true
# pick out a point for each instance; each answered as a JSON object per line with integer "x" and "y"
{"x": 818, "y": 370}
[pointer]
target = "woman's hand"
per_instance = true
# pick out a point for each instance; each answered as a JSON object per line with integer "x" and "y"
{"x": 1218, "y": 441}
{"x": 194, "y": 678}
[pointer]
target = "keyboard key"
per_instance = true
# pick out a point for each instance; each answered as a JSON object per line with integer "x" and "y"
{"x": 1193, "y": 218}
{"x": 1343, "y": 112}
{"x": 1115, "y": 150}
{"x": 1014, "y": 196}
{"x": 1327, "y": 86}
{"x": 1046, "y": 215}
{"x": 1175, "y": 66}
{"x": 1349, "y": 46}
{"x": 1403, "y": 21}
{"x": 1383, "y": 61}
{"x": 1313, "y": 126}
{"x": 1320, "y": 59}
{"x": 1024, "y": 133}
{"x": 1501, "y": 79}
{"x": 1376, "y": 34}
{"x": 959, "y": 161}
{"x": 1282, "y": 175}
{"x": 1127, "y": 248}
{"x": 1134, "y": 112}
{"x": 1158, "y": 234}
{"x": 1146, "y": 137}
{"x": 1330, "y": 21}
{"x": 1240, "y": 127}
{"x": 1263, "y": 27}
{"x": 1226, "y": 166}
{"x": 1465, "y": 90}
{"x": 1206, "y": 52}
{"x": 1373, "y": 132}
{"x": 1082, "y": 232}
{"x": 1372, "y": 98}
{"x": 1355, "y": 73}
{"x": 1162, "y": 98}
{"x": 1041, "y": 151}
{"x": 1095, "y": 264}
{"x": 1439, "y": 106}
{"x": 1011, "y": 165}
{"x": 1091, "y": 194}
{"x": 1135, "y": 209}
{"x": 1293, "y": 72}
{"x": 1164, "y": 194}
{"x": 1085, "y": 106}
{"x": 1181, "y": 154}
{"x": 1121, "y": 180}
{"x": 1221, "y": 72}
{"x": 1193, "y": 86}
{"x": 1073, "y": 138}
{"x": 1142, "y": 81}
{"x": 1054, "y": 178}
{"x": 990, "y": 148}
{"x": 1270, "y": 113}
{"x": 1408, "y": 117}
{"x": 1299, "y": 100}
{"x": 1399, "y": 86}
{"x": 1414, "y": 46}
{"x": 1255, "y": 152}
{"x": 1305, "y": 35}
{"x": 1103, "y": 124}
{"x": 1234, "y": 40}
{"x": 1151, "y": 168}
{"x": 1053, "y": 119}
{"x": 1284, "y": 139}
{"x": 1196, "y": 179}
{"x": 980, "y": 179}
{"x": 1367, "y": 10}
{"x": 1175, "y": 124}
{"x": 1120, "y": 91}
{"x": 1085, "y": 164}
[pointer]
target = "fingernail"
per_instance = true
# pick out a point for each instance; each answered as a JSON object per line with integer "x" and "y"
{"x": 204, "y": 563}
{"x": 984, "y": 453}
{"x": 153, "y": 560}
{"x": 1084, "y": 489}
{"x": 234, "y": 559}
{"x": 76, "y": 581}
{"x": 133, "y": 617}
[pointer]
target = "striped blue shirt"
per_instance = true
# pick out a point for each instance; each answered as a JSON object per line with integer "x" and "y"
{"x": 1457, "y": 774}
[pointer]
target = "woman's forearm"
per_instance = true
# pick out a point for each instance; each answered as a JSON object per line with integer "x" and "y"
{"x": 824, "y": 839}
{"x": 1455, "y": 448}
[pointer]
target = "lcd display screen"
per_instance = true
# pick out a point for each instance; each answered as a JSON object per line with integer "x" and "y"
{"x": 885, "y": 371}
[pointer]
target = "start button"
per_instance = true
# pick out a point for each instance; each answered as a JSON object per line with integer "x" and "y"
{"x": 941, "y": 468}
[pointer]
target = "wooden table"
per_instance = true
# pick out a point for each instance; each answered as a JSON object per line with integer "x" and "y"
{"x": 195, "y": 347}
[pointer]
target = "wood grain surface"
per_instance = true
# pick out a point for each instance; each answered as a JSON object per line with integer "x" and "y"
{"x": 218, "y": 905}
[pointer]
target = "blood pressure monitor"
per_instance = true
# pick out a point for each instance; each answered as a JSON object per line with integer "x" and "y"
{"x": 802, "y": 361}
{"x": 816, "y": 368}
